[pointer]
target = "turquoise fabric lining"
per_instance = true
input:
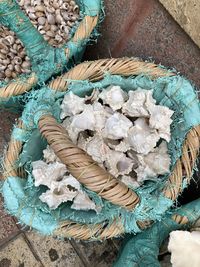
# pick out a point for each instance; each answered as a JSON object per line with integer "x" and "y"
{"x": 142, "y": 250}
{"x": 175, "y": 92}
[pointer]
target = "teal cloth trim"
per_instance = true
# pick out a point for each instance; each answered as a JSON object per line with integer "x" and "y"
{"x": 18, "y": 204}
{"x": 142, "y": 250}
{"x": 175, "y": 92}
{"x": 91, "y": 7}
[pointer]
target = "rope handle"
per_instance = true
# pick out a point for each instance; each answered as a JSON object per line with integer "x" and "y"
{"x": 84, "y": 168}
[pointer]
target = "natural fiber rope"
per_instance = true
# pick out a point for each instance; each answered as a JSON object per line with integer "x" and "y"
{"x": 184, "y": 166}
{"x": 83, "y": 31}
{"x": 93, "y": 232}
{"x": 84, "y": 168}
{"x": 12, "y": 154}
{"x": 95, "y": 71}
{"x": 18, "y": 87}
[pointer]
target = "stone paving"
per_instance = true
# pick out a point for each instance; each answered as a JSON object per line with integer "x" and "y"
{"x": 132, "y": 28}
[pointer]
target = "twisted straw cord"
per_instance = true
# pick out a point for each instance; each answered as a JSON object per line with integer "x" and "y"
{"x": 11, "y": 156}
{"x": 84, "y": 168}
{"x": 89, "y": 232}
{"x": 95, "y": 71}
{"x": 18, "y": 87}
{"x": 184, "y": 165}
{"x": 83, "y": 31}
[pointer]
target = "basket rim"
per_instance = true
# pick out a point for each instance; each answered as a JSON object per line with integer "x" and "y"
{"x": 183, "y": 166}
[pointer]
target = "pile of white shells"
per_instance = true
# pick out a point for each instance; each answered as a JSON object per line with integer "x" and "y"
{"x": 53, "y": 19}
{"x": 125, "y": 133}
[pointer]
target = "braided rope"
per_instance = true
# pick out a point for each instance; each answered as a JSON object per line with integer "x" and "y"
{"x": 12, "y": 154}
{"x": 95, "y": 70}
{"x": 83, "y": 31}
{"x": 18, "y": 86}
{"x": 84, "y": 168}
{"x": 89, "y": 232}
{"x": 184, "y": 166}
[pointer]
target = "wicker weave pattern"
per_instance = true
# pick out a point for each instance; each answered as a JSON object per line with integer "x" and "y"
{"x": 95, "y": 71}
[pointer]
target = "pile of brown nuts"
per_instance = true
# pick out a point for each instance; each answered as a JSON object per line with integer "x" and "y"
{"x": 53, "y": 19}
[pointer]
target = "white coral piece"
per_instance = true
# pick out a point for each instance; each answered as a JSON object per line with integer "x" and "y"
{"x": 96, "y": 148}
{"x": 45, "y": 173}
{"x": 49, "y": 155}
{"x": 71, "y": 105}
{"x": 83, "y": 202}
{"x": 184, "y": 247}
{"x": 160, "y": 119}
{"x": 141, "y": 137}
{"x": 155, "y": 163}
{"x": 101, "y": 114}
{"x": 63, "y": 191}
{"x": 118, "y": 163}
{"x": 114, "y": 96}
{"x": 72, "y": 131}
{"x": 93, "y": 97}
{"x": 117, "y": 126}
{"x": 136, "y": 105}
{"x": 85, "y": 120}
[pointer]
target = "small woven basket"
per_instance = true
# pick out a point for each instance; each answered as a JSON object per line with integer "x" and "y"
{"x": 125, "y": 210}
{"x": 46, "y": 60}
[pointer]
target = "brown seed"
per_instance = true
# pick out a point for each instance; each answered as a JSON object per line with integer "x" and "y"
{"x": 41, "y": 20}
{"x": 39, "y": 14}
{"x": 8, "y": 73}
{"x": 26, "y": 65}
{"x": 40, "y": 8}
{"x": 14, "y": 75}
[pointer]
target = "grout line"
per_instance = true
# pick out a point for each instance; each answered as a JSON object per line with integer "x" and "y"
{"x": 6, "y": 241}
{"x": 80, "y": 253}
{"x": 32, "y": 249}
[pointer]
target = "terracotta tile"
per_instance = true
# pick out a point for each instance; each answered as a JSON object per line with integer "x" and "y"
{"x": 17, "y": 254}
{"x": 53, "y": 252}
{"x": 8, "y": 226}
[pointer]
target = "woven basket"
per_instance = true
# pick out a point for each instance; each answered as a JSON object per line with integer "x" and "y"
{"x": 46, "y": 60}
{"x": 85, "y": 169}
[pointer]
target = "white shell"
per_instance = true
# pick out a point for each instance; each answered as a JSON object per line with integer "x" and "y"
{"x": 184, "y": 247}
{"x": 72, "y": 132}
{"x": 101, "y": 114}
{"x": 136, "y": 105}
{"x": 93, "y": 97}
{"x": 83, "y": 202}
{"x": 45, "y": 173}
{"x": 114, "y": 96}
{"x": 85, "y": 120}
{"x": 130, "y": 181}
{"x": 118, "y": 163}
{"x": 141, "y": 137}
{"x": 117, "y": 126}
{"x": 117, "y": 145}
{"x": 155, "y": 163}
{"x": 49, "y": 155}
{"x": 160, "y": 119}
{"x": 63, "y": 191}
{"x": 96, "y": 147}
{"x": 71, "y": 105}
